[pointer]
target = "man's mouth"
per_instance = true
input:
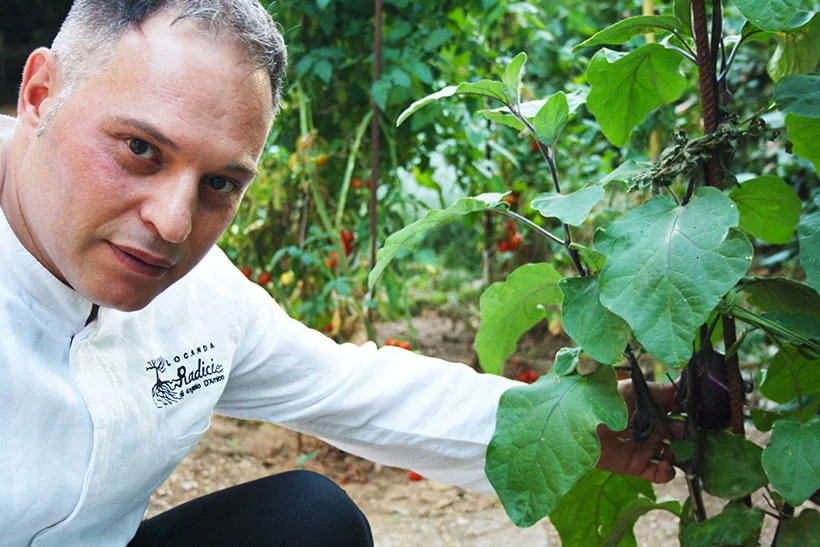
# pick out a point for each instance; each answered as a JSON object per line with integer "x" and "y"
{"x": 141, "y": 262}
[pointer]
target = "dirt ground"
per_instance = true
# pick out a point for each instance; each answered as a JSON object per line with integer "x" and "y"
{"x": 402, "y": 512}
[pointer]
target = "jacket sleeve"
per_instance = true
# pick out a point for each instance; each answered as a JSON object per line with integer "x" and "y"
{"x": 388, "y": 405}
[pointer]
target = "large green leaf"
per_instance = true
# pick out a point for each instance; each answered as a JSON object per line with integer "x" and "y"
{"x": 804, "y": 134}
{"x": 789, "y": 375}
{"x": 808, "y": 234}
{"x": 601, "y": 333}
{"x": 625, "y": 30}
{"x": 781, "y": 294}
{"x": 624, "y": 88}
{"x": 799, "y": 94}
{"x": 769, "y": 208}
{"x": 546, "y": 439}
{"x": 510, "y": 308}
{"x": 569, "y": 208}
{"x": 731, "y": 465}
{"x": 412, "y": 233}
{"x": 772, "y": 15}
{"x": 735, "y": 525}
{"x": 800, "y": 531}
{"x": 792, "y": 459}
{"x": 587, "y": 514}
{"x": 668, "y": 266}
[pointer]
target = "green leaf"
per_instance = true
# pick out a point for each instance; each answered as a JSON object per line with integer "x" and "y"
{"x": 781, "y": 294}
{"x": 483, "y": 88}
{"x": 591, "y": 258}
{"x": 801, "y": 325}
{"x": 772, "y": 15}
{"x": 798, "y": 49}
{"x": 551, "y": 119}
{"x": 623, "y": 31}
{"x": 735, "y": 525}
{"x": 683, "y": 450}
{"x": 731, "y": 467}
{"x": 412, "y": 233}
{"x": 800, "y": 531}
{"x": 512, "y": 307}
{"x": 626, "y": 172}
{"x": 803, "y": 134}
{"x": 789, "y": 375}
{"x": 765, "y": 419}
{"x": 792, "y": 459}
{"x": 601, "y": 333}
{"x": 769, "y": 208}
{"x": 571, "y": 208}
{"x": 624, "y": 88}
{"x": 668, "y": 266}
{"x": 576, "y": 99}
{"x": 799, "y": 94}
{"x": 588, "y": 513}
{"x": 512, "y": 79}
{"x": 566, "y": 361}
{"x": 808, "y": 235}
{"x": 503, "y": 116}
{"x": 546, "y": 439}
{"x": 631, "y": 512}
{"x": 683, "y": 13}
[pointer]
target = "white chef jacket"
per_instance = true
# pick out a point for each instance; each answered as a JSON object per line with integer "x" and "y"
{"x": 94, "y": 418}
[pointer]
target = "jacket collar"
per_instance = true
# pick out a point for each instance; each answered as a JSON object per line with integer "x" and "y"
{"x": 22, "y": 272}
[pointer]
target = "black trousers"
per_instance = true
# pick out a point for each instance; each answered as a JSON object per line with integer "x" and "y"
{"x": 295, "y": 508}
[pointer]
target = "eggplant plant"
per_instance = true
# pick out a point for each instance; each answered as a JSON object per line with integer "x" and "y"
{"x": 669, "y": 280}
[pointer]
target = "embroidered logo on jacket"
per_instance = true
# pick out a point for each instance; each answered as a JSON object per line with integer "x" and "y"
{"x": 174, "y": 383}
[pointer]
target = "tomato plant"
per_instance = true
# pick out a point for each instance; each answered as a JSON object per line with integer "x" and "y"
{"x": 669, "y": 277}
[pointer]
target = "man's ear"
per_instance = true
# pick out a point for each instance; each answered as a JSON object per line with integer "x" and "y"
{"x": 38, "y": 91}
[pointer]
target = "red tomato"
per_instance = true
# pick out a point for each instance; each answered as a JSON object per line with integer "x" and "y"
{"x": 263, "y": 278}
{"x": 514, "y": 240}
{"x": 246, "y": 270}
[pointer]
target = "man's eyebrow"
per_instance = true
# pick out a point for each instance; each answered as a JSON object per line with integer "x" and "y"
{"x": 242, "y": 171}
{"x": 154, "y": 132}
{"x": 150, "y": 130}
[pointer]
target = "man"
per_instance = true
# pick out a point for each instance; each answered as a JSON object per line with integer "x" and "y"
{"x": 124, "y": 328}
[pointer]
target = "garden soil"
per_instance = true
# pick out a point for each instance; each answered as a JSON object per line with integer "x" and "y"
{"x": 402, "y": 512}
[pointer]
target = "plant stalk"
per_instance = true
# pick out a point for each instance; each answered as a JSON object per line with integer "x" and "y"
{"x": 707, "y": 80}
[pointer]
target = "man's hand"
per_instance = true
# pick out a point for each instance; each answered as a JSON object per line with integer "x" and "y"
{"x": 651, "y": 459}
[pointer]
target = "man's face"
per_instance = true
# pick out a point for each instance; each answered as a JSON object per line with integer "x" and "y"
{"x": 144, "y": 165}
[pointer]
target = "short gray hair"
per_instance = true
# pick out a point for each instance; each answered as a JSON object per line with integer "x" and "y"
{"x": 91, "y": 24}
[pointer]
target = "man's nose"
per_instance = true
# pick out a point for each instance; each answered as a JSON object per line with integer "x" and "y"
{"x": 171, "y": 207}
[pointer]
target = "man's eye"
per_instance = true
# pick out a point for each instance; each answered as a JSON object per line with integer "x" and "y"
{"x": 221, "y": 184}
{"x": 142, "y": 149}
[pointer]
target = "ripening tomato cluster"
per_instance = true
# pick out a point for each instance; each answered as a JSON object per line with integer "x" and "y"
{"x": 403, "y": 344}
{"x": 358, "y": 184}
{"x": 513, "y": 238}
{"x": 347, "y": 238}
